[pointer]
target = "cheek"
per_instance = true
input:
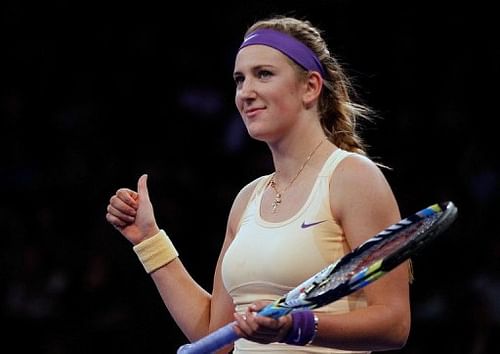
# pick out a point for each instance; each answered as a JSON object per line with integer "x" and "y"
{"x": 286, "y": 101}
{"x": 237, "y": 101}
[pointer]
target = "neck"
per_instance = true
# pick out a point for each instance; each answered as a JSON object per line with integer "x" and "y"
{"x": 279, "y": 190}
{"x": 295, "y": 175}
{"x": 291, "y": 157}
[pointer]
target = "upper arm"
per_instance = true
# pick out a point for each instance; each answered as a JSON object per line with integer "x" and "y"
{"x": 363, "y": 203}
{"x": 362, "y": 199}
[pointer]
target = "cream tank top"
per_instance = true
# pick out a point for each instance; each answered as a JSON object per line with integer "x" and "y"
{"x": 266, "y": 260}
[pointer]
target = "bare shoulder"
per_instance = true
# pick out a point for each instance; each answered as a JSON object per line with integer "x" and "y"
{"x": 359, "y": 175}
{"x": 360, "y": 191}
{"x": 359, "y": 168}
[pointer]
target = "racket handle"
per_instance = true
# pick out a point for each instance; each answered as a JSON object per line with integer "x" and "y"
{"x": 212, "y": 342}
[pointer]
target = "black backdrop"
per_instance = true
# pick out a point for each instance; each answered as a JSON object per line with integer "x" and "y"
{"x": 94, "y": 94}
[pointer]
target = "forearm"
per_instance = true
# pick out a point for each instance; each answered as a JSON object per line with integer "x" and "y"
{"x": 376, "y": 327}
{"x": 187, "y": 302}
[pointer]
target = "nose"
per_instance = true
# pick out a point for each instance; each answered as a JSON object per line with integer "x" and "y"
{"x": 246, "y": 90}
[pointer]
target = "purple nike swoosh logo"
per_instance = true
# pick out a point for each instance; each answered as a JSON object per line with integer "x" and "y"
{"x": 306, "y": 225}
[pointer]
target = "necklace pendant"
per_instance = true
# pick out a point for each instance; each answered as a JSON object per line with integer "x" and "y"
{"x": 276, "y": 202}
{"x": 272, "y": 182}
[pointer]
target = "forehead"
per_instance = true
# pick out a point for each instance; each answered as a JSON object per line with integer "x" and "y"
{"x": 259, "y": 55}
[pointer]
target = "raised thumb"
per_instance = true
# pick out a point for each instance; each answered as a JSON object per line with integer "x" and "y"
{"x": 142, "y": 187}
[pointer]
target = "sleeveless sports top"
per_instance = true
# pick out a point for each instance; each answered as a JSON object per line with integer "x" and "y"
{"x": 266, "y": 260}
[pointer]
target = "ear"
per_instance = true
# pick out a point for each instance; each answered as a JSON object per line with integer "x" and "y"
{"x": 314, "y": 84}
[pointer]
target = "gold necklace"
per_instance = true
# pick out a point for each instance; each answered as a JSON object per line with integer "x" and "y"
{"x": 277, "y": 197}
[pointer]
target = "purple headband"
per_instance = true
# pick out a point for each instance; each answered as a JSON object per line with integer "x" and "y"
{"x": 288, "y": 45}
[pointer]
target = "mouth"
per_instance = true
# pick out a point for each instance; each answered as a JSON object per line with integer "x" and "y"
{"x": 252, "y": 112}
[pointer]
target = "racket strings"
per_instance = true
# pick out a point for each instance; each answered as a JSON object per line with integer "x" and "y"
{"x": 368, "y": 264}
{"x": 362, "y": 268}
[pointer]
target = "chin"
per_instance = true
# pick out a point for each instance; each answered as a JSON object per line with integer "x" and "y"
{"x": 260, "y": 136}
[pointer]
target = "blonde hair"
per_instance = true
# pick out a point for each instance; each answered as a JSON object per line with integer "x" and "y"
{"x": 338, "y": 112}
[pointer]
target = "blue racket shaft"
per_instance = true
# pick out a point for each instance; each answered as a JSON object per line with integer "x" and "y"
{"x": 214, "y": 341}
{"x": 226, "y": 334}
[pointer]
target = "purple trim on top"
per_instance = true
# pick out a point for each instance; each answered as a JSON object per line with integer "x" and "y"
{"x": 288, "y": 45}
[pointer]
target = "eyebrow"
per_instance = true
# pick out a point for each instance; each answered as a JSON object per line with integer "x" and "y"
{"x": 256, "y": 68}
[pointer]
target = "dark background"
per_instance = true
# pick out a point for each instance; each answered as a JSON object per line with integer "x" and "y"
{"x": 93, "y": 94}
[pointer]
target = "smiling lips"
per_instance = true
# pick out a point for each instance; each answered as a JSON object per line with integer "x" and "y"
{"x": 252, "y": 112}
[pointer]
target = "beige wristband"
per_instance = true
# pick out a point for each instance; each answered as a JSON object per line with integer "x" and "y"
{"x": 156, "y": 251}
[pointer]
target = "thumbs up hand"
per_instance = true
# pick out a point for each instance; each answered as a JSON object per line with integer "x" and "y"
{"x": 132, "y": 213}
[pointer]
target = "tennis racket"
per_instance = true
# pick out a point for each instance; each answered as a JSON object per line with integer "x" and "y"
{"x": 362, "y": 266}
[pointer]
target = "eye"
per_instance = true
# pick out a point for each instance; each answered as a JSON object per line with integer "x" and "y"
{"x": 264, "y": 74}
{"x": 238, "y": 79}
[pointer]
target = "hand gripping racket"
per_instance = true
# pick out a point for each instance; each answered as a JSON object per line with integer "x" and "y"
{"x": 362, "y": 266}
